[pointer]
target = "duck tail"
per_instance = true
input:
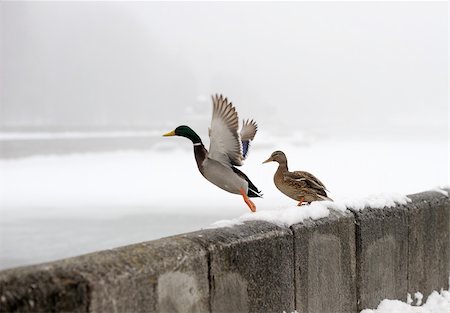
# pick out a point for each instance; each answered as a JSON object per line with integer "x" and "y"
{"x": 326, "y": 198}
{"x": 252, "y": 191}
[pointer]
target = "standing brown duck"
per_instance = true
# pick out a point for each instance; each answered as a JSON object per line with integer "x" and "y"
{"x": 298, "y": 185}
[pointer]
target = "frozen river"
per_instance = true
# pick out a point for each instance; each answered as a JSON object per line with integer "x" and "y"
{"x": 60, "y": 205}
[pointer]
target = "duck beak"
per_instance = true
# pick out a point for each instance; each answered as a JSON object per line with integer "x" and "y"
{"x": 267, "y": 161}
{"x": 172, "y": 133}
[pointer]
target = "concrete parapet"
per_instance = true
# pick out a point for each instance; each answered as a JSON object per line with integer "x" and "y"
{"x": 403, "y": 249}
{"x": 343, "y": 263}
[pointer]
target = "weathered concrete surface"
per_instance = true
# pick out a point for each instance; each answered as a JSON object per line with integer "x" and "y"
{"x": 167, "y": 275}
{"x": 325, "y": 264}
{"x": 428, "y": 257}
{"x": 43, "y": 289}
{"x": 251, "y": 267}
{"x": 381, "y": 255}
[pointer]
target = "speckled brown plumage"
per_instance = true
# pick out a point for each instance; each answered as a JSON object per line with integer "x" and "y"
{"x": 299, "y": 185}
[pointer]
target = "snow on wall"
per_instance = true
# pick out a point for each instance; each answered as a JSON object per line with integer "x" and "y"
{"x": 316, "y": 210}
{"x": 437, "y": 302}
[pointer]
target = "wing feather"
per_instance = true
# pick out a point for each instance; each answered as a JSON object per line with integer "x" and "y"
{"x": 305, "y": 179}
{"x": 248, "y": 132}
{"x": 225, "y": 142}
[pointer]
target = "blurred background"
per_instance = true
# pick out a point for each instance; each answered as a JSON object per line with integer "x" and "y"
{"x": 354, "y": 92}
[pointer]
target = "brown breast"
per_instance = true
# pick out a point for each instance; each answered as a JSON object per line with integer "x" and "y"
{"x": 290, "y": 191}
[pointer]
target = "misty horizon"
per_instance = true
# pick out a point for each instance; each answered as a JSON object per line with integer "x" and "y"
{"x": 314, "y": 67}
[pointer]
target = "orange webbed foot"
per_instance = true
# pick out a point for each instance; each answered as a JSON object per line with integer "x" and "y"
{"x": 249, "y": 202}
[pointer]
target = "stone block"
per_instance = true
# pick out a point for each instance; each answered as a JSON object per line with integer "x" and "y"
{"x": 429, "y": 244}
{"x": 167, "y": 275}
{"x": 381, "y": 255}
{"x": 325, "y": 264}
{"x": 251, "y": 267}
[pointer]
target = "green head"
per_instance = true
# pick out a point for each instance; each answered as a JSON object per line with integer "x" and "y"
{"x": 185, "y": 131}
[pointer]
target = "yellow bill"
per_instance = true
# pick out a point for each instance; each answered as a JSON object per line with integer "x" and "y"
{"x": 172, "y": 133}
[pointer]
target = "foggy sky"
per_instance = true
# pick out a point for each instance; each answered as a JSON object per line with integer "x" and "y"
{"x": 320, "y": 67}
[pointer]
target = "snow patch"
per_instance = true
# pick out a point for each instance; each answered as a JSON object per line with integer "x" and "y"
{"x": 437, "y": 302}
{"x": 284, "y": 217}
{"x": 441, "y": 190}
{"x": 376, "y": 201}
{"x": 316, "y": 210}
{"x": 419, "y": 297}
{"x": 409, "y": 300}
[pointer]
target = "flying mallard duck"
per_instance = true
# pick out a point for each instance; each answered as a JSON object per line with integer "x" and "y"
{"x": 227, "y": 149}
{"x": 298, "y": 185}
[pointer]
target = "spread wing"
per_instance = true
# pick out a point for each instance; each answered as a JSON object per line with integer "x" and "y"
{"x": 248, "y": 132}
{"x": 225, "y": 142}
